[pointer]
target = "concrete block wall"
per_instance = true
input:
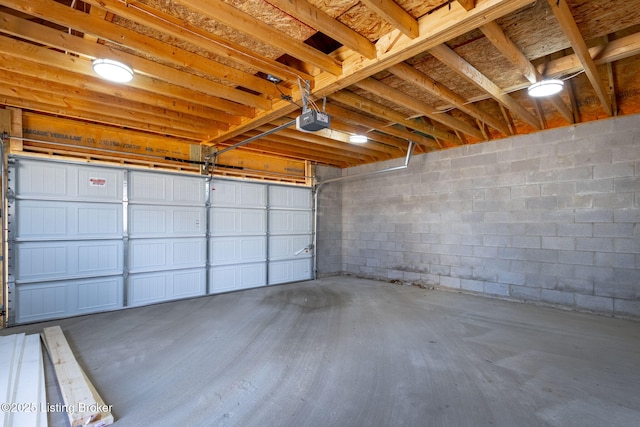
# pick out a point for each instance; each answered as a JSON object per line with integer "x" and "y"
{"x": 552, "y": 217}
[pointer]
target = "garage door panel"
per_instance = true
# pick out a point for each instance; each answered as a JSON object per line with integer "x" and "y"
{"x": 99, "y": 184}
{"x": 56, "y": 260}
{"x": 234, "y": 277}
{"x": 225, "y": 222}
{"x": 290, "y": 222}
{"x": 289, "y": 197}
{"x": 238, "y": 194}
{"x": 289, "y": 271}
{"x": 169, "y": 221}
{"x": 166, "y": 189}
{"x": 166, "y": 254}
{"x": 283, "y": 247}
{"x": 62, "y": 299}
{"x": 237, "y": 250}
{"x": 147, "y": 288}
{"x": 62, "y": 220}
{"x": 48, "y": 180}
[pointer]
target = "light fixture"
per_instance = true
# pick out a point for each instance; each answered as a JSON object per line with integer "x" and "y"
{"x": 545, "y": 88}
{"x": 358, "y": 139}
{"x": 112, "y": 70}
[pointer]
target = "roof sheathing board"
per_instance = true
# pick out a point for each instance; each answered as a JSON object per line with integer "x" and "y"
{"x": 197, "y": 20}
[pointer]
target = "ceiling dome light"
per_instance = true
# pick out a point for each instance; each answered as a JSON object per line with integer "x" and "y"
{"x": 112, "y": 70}
{"x": 545, "y": 88}
{"x": 358, "y": 139}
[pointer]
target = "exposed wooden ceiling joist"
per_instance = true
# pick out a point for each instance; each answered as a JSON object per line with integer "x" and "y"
{"x": 224, "y": 13}
{"x": 499, "y": 39}
{"x": 570, "y": 28}
{"x": 462, "y": 67}
{"x": 440, "y": 73}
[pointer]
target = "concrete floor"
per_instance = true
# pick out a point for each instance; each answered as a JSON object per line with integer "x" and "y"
{"x": 351, "y": 352}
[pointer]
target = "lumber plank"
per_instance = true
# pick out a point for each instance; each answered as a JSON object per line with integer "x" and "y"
{"x": 78, "y": 393}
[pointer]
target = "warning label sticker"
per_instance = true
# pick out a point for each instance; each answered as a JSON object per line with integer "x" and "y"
{"x": 97, "y": 182}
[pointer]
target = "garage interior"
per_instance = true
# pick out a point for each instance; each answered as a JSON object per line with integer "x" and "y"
{"x": 449, "y": 247}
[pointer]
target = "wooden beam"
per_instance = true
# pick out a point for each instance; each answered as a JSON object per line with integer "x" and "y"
{"x": 568, "y": 24}
{"x": 85, "y": 48}
{"x": 123, "y": 106}
{"x": 616, "y": 50}
{"x": 49, "y": 74}
{"x": 612, "y": 84}
{"x": 356, "y": 151}
{"x": 387, "y": 128}
{"x": 71, "y": 104}
{"x": 168, "y": 24}
{"x": 539, "y": 112}
{"x": 47, "y": 104}
{"x": 77, "y": 391}
{"x": 508, "y": 119}
{"x": 411, "y": 75}
{"x": 387, "y": 92}
{"x": 291, "y": 148}
{"x": 82, "y": 66}
{"x": 383, "y": 112}
{"x": 104, "y": 138}
{"x": 63, "y": 15}
{"x": 507, "y": 47}
{"x": 15, "y": 144}
{"x": 467, "y": 4}
{"x": 226, "y": 14}
{"x": 447, "y": 56}
{"x": 321, "y": 21}
{"x": 391, "y": 12}
{"x": 434, "y": 28}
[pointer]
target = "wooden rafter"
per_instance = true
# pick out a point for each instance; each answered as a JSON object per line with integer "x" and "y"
{"x": 410, "y": 74}
{"x": 316, "y": 18}
{"x": 467, "y": 4}
{"x": 82, "y": 66}
{"x": 386, "y": 127}
{"x": 394, "y": 95}
{"x": 383, "y": 112}
{"x": 226, "y": 14}
{"x": 86, "y": 23}
{"x": 116, "y": 106}
{"x": 153, "y": 18}
{"x": 198, "y": 79}
{"x": 615, "y": 50}
{"x": 47, "y": 103}
{"x": 447, "y": 56}
{"x": 505, "y": 45}
{"x": 393, "y": 13}
{"x": 435, "y": 28}
{"x": 567, "y": 22}
{"x": 87, "y": 49}
{"x": 50, "y": 75}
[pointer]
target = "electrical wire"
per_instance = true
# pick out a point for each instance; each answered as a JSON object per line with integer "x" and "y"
{"x": 573, "y": 75}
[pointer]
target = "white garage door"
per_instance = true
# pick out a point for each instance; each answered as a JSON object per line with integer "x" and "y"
{"x": 86, "y": 238}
